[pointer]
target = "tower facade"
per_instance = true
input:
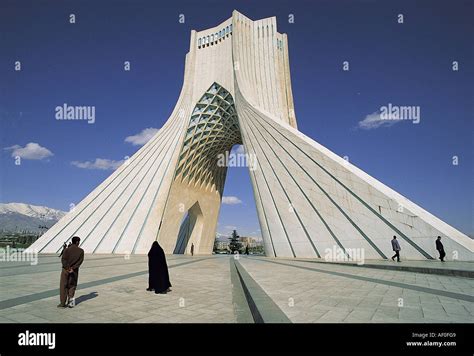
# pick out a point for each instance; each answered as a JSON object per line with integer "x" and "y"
{"x": 237, "y": 90}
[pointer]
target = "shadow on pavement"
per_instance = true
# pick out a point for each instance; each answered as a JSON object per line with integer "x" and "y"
{"x": 85, "y": 297}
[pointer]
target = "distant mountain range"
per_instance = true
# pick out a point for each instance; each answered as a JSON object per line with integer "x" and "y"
{"x": 20, "y": 217}
{"x": 26, "y": 217}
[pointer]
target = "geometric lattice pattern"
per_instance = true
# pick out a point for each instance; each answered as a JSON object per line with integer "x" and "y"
{"x": 213, "y": 129}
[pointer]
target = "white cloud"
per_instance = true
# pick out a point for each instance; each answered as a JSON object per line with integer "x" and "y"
{"x": 223, "y": 236}
{"x": 225, "y": 232}
{"x": 374, "y": 121}
{"x": 230, "y": 200}
{"x": 31, "y": 150}
{"x": 220, "y": 235}
{"x": 99, "y": 163}
{"x": 143, "y": 137}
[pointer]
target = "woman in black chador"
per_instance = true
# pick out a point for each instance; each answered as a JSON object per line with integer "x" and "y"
{"x": 158, "y": 278}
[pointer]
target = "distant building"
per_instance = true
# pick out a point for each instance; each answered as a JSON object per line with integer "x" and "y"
{"x": 222, "y": 245}
{"x": 250, "y": 241}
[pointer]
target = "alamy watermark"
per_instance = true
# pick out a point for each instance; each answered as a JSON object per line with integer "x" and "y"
{"x": 337, "y": 254}
{"x": 28, "y": 338}
{"x": 9, "y": 254}
{"x": 237, "y": 160}
{"x": 395, "y": 112}
{"x": 68, "y": 112}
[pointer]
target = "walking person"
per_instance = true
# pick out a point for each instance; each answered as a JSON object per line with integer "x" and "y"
{"x": 396, "y": 247}
{"x": 440, "y": 248}
{"x": 71, "y": 260}
{"x": 192, "y": 249}
{"x": 247, "y": 249}
{"x": 158, "y": 276}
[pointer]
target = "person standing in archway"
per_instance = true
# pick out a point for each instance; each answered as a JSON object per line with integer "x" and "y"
{"x": 158, "y": 276}
{"x": 192, "y": 249}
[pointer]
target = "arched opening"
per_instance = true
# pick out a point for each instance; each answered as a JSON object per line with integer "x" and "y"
{"x": 238, "y": 209}
{"x": 198, "y": 185}
{"x": 190, "y": 230}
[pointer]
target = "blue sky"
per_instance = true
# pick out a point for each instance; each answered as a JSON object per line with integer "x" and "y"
{"x": 82, "y": 64}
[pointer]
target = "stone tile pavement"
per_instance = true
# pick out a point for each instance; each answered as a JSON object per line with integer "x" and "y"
{"x": 326, "y": 293}
{"x": 206, "y": 290}
{"x": 201, "y": 292}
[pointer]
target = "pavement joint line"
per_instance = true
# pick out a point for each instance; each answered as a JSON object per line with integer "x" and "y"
{"x": 242, "y": 309}
{"x": 52, "y": 263}
{"x": 263, "y": 308}
{"x": 415, "y": 269}
{"x": 86, "y": 266}
{"x": 447, "y": 294}
{"x": 256, "y": 316}
{"x": 58, "y": 261}
{"x": 55, "y": 270}
{"x": 9, "y": 303}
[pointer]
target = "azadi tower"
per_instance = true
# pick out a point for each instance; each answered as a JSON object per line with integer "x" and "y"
{"x": 237, "y": 90}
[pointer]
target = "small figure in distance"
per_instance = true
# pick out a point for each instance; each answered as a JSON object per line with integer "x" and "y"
{"x": 396, "y": 247}
{"x": 440, "y": 248}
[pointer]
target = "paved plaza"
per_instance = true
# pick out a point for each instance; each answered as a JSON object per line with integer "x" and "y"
{"x": 223, "y": 289}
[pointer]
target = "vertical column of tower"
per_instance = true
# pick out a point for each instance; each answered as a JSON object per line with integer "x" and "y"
{"x": 243, "y": 52}
{"x": 280, "y": 73}
{"x": 289, "y": 92}
{"x": 262, "y": 67}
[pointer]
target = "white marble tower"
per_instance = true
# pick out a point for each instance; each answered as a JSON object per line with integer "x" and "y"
{"x": 237, "y": 90}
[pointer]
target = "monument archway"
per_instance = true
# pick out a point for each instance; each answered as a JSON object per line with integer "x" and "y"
{"x": 199, "y": 179}
{"x": 237, "y": 90}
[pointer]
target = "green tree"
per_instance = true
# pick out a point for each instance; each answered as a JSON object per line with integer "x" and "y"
{"x": 235, "y": 244}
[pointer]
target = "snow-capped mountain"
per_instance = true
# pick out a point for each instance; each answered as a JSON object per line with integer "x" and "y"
{"x": 19, "y": 217}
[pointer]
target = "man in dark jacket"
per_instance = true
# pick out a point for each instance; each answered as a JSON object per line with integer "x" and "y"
{"x": 440, "y": 248}
{"x": 72, "y": 259}
{"x": 396, "y": 247}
